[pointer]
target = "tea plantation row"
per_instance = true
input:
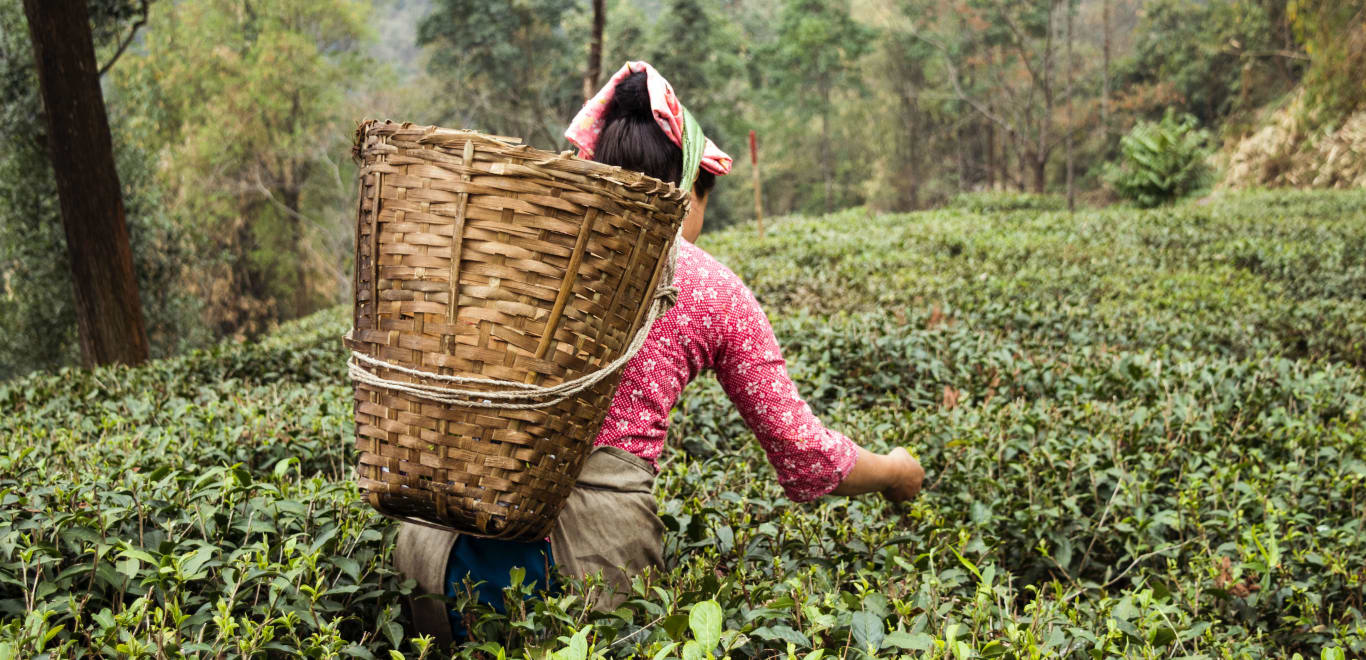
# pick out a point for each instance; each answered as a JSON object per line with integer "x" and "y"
{"x": 1144, "y": 434}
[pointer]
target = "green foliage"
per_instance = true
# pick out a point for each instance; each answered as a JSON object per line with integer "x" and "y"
{"x": 818, "y": 46}
{"x": 1210, "y": 59}
{"x": 1162, "y": 161}
{"x": 993, "y": 202}
{"x": 1334, "y": 34}
{"x": 813, "y": 58}
{"x": 512, "y": 68}
{"x": 244, "y": 110}
{"x": 1144, "y": 433}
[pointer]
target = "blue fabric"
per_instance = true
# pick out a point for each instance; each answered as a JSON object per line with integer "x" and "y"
{"x": 491, "y": 561}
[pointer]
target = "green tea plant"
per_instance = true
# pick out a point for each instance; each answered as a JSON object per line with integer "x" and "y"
{"x": 991, "y": 202}
{"x": 1145, "y": 433}
{"x": 1162, "y": 161}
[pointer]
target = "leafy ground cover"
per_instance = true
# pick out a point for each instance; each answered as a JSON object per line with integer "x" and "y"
{"x": 1144, "y": 432}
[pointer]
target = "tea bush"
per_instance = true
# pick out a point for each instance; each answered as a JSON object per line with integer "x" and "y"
{"x": 1143, "y": 430}
{"x": 991, "y": 202}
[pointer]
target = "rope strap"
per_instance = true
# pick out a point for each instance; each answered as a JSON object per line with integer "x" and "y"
{"x": 521, "y": 396}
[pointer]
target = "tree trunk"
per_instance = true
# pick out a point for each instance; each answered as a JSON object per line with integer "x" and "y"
{"x": 1022, "y": 153}
{"x": 1105, "y": 73}
{"x": 913, "y": 157}
{"x": 991, "y": 131}
{"x": 290, "y": 197}
{"x": 991, "y": 156}
{"x": 590, "y": 78}
{"x": 908, "y": 155}
{"x": 1071, "y": 189}
{"x": 1046, "y": 121}
{"x": 958, "y": 151}
{"x": 108, "y": 310}
{"x": 826, "y": 166}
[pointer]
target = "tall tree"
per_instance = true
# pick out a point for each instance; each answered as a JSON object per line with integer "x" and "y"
{"x": 816, "y": 53}
{"x": 1020, "y": 90}
{"x": 594, "y": 72}
{"x": 1071, "y": 83}
{"x": 38, "y": 319}
{"x": 507, "y": 67}
{"x": 1105, "y": 71}
{"x": 910, "y": 117}
{"x": 108, "y": 308}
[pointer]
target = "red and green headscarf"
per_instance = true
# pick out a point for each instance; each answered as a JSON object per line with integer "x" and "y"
{"x": 673, "y": 119}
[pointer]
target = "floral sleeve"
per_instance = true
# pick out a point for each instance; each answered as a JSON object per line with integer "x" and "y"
{"x": 810, "y": 459}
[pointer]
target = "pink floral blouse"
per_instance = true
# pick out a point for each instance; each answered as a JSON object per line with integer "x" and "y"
{"x": 718, "y": 324}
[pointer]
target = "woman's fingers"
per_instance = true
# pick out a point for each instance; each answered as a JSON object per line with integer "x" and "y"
{"x": 909, "y": 478}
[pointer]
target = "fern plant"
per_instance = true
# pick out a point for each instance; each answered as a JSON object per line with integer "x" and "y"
{"x": 1162, "y": 161}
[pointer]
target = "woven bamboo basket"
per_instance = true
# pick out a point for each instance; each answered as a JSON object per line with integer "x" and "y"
{"x": 488, "y": 274}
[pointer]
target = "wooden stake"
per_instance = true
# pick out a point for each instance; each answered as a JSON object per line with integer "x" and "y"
{"x": 758, "y": 196}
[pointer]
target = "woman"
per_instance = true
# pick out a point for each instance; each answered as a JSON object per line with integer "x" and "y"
{"x": 609, "y": 525}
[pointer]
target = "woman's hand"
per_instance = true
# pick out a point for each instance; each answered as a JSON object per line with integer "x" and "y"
{"x": 908, "y": 475}
{"x": 896, "y": 474}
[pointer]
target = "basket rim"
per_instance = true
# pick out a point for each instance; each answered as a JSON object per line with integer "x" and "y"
{"x": 633, "y": 180}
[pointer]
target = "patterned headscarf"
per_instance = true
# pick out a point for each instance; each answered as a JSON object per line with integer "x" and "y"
{"x": 672, "y": 117}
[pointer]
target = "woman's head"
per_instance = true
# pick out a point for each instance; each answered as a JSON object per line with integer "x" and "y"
{"x": 632, "y": 139}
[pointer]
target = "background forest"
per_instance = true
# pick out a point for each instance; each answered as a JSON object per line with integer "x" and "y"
{"x": 232, "y": 120}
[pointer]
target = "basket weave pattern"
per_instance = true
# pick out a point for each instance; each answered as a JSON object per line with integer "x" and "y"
{"x": 478, "y": 257}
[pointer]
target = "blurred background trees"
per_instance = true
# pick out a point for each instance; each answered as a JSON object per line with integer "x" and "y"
{"x": 246, "y": 104}
{"x": 232, "y": 119}
{"x": 510, "y": 68}
{"x": 814, "y": 60}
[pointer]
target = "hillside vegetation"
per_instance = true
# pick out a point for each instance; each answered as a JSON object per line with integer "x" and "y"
{"x": 1144, "y": 433}
{"x": 1288, "y": 150}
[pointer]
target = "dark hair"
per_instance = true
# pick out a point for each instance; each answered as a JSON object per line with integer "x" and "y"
{"x": 633, "y": 140}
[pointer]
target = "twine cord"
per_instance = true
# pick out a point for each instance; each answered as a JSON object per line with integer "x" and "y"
{"x": 521, "y": 396}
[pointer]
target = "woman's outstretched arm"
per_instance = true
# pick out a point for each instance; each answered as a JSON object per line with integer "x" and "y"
{"x": 896, "y": 474}
{"x": 811, "y": 460}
